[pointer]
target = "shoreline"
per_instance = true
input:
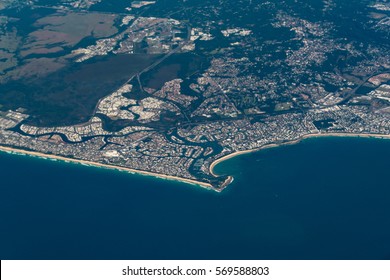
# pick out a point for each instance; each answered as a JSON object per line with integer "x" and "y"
{"x": 106, "y": 166}
{"x": 293, "y": 142}
{"x": 204, "y": 185}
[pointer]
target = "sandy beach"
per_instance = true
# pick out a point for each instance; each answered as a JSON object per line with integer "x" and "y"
{"x": 216, "y": 162}
{"x": 184, "y": 180}
{"x": 96, "y": 164}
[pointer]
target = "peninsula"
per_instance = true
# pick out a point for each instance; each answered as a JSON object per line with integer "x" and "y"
{"x": 173, "y": 92}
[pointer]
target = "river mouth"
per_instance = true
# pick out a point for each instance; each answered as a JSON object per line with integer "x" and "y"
{"x": 313, "y": 211}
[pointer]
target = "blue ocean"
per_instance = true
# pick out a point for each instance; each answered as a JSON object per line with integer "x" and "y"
{"x": 323, "y": 198}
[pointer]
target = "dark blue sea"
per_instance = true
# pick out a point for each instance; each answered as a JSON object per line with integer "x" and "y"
{"x": 324, "y": 198}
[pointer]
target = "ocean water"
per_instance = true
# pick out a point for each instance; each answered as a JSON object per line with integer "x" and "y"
{"x": 325, "y": 198}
